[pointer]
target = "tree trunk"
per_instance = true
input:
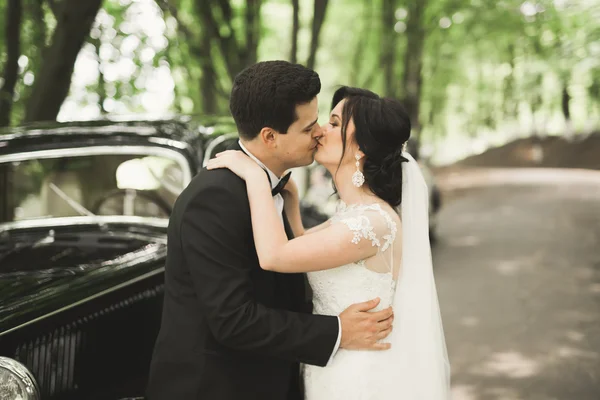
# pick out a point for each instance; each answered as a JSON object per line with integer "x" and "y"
{"x": 230, "y": 50}
{"x": 234, "y": 55}
{"x": 510, "y": 105}
{"x": 565, "y": 103}
{"x": 101, "y": 81}
{"x": 566, "y": 99}
{"x": 74, "y": 21}
{"x": 3, "y": 11}
{"x": 200, "y": 49}
{"x": 359, "y": 50}
{"x": 39, "y": 34}
{"x": 388, "y": 46}
{"x": 295, "y": 29}
{"x": 14, "y": 14}
{"x": 536, "y": 102}
{"x": 252, "y": 33}
{"x": 594, "y": 93}
{"x": 413, "y": 62}
{"x": 54, "y": 6}
{"x": 208, "y": 81}
{"x": 436, "y": 99}
{"x": 320, "y": 9}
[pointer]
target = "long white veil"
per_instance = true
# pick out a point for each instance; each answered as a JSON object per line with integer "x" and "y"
{"x": 418, "y": 336}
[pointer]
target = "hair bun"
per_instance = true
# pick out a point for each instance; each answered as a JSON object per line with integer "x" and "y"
{"x": 394, "y": 159}
{"x": 385, "y": 176}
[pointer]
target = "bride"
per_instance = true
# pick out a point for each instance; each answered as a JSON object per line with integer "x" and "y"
{"x": 376, "y": 245}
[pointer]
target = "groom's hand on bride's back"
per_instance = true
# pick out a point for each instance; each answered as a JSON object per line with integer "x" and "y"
{"x": 362, "y": 328}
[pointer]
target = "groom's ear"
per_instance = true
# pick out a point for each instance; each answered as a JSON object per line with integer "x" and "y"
{"x": 268, "y": 136}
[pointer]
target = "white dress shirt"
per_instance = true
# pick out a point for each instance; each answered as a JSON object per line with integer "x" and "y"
{"x": 279, "y": 206}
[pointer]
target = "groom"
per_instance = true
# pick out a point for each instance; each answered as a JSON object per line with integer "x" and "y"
{"x": 231, "y": 330}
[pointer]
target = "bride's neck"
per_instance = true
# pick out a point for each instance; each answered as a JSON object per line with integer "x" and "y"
{"x": 349, "y": 193}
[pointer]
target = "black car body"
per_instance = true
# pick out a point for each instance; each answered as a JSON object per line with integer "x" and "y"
{"x": 84, "y": 209}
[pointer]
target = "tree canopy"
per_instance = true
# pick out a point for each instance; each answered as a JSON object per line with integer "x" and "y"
{"x": 470, "y": 72}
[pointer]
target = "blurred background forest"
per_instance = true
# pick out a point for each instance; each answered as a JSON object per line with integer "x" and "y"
{"x": 473, "y": 74}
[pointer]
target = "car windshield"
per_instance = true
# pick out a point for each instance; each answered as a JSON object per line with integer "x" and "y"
{"x": 138, "y": 181}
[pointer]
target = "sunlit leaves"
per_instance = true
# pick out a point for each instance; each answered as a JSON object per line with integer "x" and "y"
{"x": 487, "y": 64}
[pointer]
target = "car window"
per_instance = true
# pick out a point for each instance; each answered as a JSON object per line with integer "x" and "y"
{"x": 143, "y": 185}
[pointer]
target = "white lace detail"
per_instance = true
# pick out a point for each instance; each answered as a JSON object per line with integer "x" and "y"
{"x": 361, "y": 225}
{"x": 351, "y": 375}
{"x": 362, "y": 228}
{"x": 390, "y": 237}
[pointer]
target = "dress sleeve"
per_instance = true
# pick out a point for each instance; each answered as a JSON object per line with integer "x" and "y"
{"x": 377, "y": 227}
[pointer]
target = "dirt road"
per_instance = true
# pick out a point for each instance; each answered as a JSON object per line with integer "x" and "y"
{"x": 518, "y": 275}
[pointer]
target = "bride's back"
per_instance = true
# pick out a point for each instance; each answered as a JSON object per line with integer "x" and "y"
{"x": 351, "y": 374}
{"x": 336, "y": 289}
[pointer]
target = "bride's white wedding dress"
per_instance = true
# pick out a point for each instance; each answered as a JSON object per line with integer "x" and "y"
{"x": 356, "y": 374}
{"x": 400, "y": 274}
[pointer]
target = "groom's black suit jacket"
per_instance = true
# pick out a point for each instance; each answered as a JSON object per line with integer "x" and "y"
{"x": 230, "y": 330}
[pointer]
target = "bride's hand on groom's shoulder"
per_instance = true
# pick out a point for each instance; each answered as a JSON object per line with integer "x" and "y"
{"x": 362, "y": 329}
{"x": 238, "y": 162}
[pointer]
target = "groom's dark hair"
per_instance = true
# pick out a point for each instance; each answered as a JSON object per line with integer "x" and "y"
{"x": 266, "y": 95}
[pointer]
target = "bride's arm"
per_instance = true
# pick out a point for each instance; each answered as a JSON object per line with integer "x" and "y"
{"x": 327, "y": 248}
{"x": 318, "y": 227}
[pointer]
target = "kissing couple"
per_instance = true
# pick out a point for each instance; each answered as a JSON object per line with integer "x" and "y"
{"x": 258, "y": 307}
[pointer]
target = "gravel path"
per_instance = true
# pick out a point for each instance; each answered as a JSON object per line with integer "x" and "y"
{"x": 518, "y": 275}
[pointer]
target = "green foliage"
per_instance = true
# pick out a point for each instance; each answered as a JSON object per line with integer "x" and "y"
{"x": 488, "y": 65}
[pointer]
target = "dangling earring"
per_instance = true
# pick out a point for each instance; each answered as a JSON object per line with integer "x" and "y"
{"x": 358, "y": 179}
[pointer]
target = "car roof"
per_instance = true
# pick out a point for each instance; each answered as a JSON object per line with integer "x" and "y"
{"x": 119, "y": 130}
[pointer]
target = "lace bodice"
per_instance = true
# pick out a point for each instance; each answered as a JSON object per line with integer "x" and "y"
{"x": 336, "y": 289}
{"x": 357, "y": 374}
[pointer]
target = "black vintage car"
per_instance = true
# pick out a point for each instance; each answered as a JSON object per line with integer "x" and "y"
{"x": 84, "y": 209}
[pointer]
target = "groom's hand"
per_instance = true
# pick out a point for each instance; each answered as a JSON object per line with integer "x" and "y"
{"x": 361, "y": 329}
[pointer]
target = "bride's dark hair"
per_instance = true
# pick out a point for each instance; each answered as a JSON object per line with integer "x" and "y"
{"x": 382, "y": 127}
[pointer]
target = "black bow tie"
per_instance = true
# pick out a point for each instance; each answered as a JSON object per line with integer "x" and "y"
{"x": 277, "y": 189}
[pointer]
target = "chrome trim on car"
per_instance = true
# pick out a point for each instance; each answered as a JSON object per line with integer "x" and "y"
{"x": 211, "y": 146}
{"x": 84, "y": 220}
{"x": 24, "y": 375}
{"x": 170, "y": 143}
{"x": 70, "y": 130}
